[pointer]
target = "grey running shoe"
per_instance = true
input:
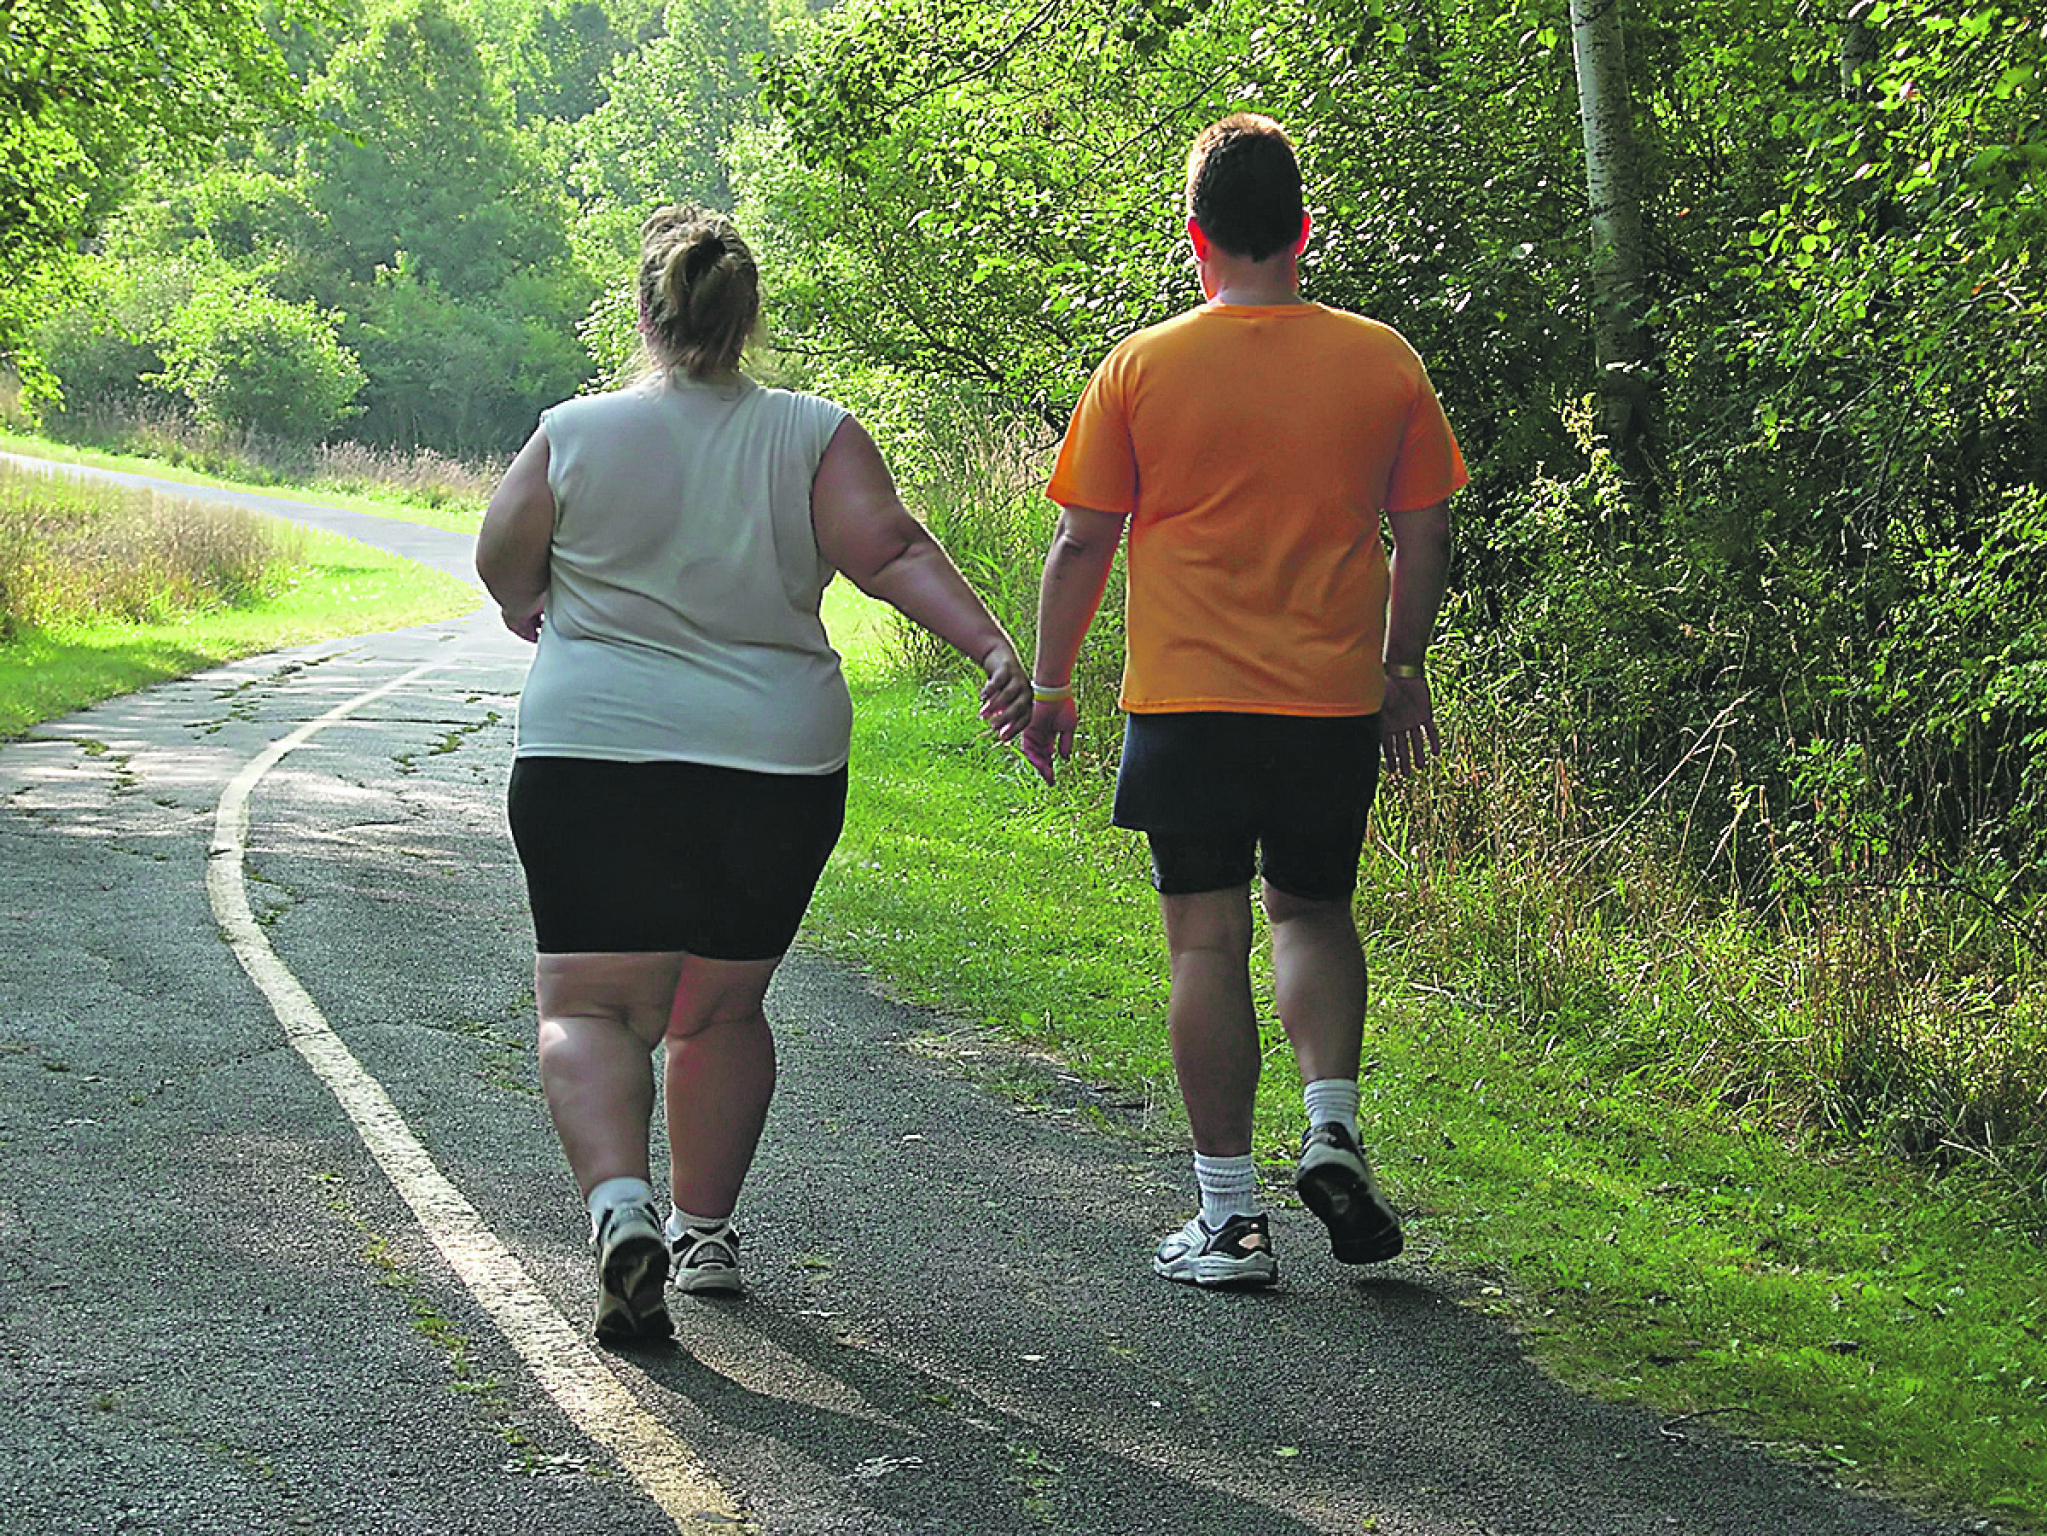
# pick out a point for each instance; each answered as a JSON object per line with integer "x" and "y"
{"x": 1238, "y": 1255}
{"x": 707, "y": 1260}
{"x": 1336, "y": 1183}
{"x": 632, "y": 1276}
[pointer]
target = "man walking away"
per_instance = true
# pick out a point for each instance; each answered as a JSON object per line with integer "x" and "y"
{"x": 1260, "y": 449}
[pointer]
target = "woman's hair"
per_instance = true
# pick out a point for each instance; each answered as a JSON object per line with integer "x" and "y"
{"x": 1244, "y": 186}
{"x": 699, "y": 291}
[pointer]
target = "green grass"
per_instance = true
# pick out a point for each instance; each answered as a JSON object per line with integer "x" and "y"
{"x": 1651, "y": 1243}
{"x": 460, "y": 516}
{"x": 340, "y": 588}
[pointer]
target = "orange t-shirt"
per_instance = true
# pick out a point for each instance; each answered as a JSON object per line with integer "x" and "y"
{"x": 1253, "y": 450}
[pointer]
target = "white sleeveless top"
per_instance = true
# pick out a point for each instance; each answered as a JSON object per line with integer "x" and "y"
{"x": 681, "y": 618}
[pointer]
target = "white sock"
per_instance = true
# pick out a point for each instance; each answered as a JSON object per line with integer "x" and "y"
{"x": 1229, "y": 1187}
{"x": 680, "y": 1221}
{"x": 1333, "y": 1098}
{"x": 613, "y": 1193}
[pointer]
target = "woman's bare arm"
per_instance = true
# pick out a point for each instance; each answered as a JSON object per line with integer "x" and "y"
{"x": 867, "y": 533}
{"x": 518, "y": 531}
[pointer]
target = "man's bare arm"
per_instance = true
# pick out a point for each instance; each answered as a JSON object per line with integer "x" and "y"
{"x": 1420, "y": 574}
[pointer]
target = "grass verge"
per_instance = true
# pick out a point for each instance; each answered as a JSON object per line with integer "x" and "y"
{"x": 340, "y": 587}
{"x": 461, "y": 515}
{"x": 1836, "y": 1305}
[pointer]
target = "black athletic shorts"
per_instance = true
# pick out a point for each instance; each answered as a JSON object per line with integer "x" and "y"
{"x": 716, "y": 862}
{"x": 1222, "y": 797}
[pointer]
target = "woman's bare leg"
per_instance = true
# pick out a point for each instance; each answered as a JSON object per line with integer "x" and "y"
{"x": 601, "y": 1015}
{"x": 720, "y": 1077}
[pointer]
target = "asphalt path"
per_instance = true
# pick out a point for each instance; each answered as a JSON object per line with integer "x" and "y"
{"x": 286, "y": 1244}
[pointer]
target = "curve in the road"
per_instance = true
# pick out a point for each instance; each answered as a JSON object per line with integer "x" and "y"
{"x": 568, "y": 1368}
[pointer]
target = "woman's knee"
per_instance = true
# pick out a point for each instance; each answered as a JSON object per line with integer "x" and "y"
{"x": 721, "y": 995}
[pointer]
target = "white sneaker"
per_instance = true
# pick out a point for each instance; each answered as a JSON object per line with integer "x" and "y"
{"x": 1335, "y": 1182}
{"x": 706, "y": 1260}
{"x": 1238, "y": 1254}
{"x": 632, "y": 1271}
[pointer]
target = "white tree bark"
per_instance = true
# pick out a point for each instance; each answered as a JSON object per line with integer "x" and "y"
{"x": 1858, "y": 51}
{"x": 1613, "y": 186}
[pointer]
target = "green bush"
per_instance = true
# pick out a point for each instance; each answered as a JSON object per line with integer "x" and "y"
{"x": 250, "y": 362}
{"x": 101, "y": 343}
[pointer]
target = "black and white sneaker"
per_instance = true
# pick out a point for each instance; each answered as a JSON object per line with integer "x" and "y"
{"x": 1335, "y": 1182}
{"x": 706, "y": 1260}
{"x": 632, "y": 1276}
{"x": 1236, "y": 1256}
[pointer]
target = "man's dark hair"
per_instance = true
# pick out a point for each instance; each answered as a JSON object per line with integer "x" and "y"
{"x": 1244, "y": 186}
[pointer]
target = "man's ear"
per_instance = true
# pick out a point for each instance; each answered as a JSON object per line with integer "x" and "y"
{"x": 1198, "y": 240}
{"x": 1301, "y": 244}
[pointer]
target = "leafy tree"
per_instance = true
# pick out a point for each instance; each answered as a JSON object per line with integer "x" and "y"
{"x": 102, "y": 346}
{"x": 672, "y": 106}
{"x": 995, "y": 197}
{"x": 464, "y": 376}
{"x": 250, "y": 362}
{"x": 558, "y": 58}
{"x": 91, "y": 86}
{"x": 428, "y": 162}
{"x": 451, "y": 253}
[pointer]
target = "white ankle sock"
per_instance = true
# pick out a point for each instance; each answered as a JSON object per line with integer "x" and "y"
{"x": 1229, "y": 1187}
{"x": 613, "y": 1193}
{"x": 1333, "y": 1098}
{"x": 680, "y": 1221}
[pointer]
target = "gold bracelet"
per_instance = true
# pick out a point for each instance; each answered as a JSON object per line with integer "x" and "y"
{"x": 1040, "y": 694}
{"x": 1403, "y": 669}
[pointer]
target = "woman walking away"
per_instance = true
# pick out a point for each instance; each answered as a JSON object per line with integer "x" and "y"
{"x": 680, "y": 776}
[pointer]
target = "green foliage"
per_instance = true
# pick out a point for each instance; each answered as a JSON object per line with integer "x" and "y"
{"x": 671, "y": 107}
{"x": 250, "y": 362}
{"x": 996, "y": 197}
{"x": 464, "y": 375}
{"x": 92, "y": 84}
{"x": 428, "y": 163}
{"x": 101, "y": 346}
{"x": 558, "y": 57}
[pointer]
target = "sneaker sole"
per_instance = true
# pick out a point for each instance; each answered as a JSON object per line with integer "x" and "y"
{"x": 1344, "y": 1203}
{"x": 631, "y": 1304}
{"x": 723, "y": 1280}
{"x": 1216, "y": 1273}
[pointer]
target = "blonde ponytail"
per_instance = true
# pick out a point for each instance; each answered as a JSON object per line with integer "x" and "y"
{"x": 699, "y": 290}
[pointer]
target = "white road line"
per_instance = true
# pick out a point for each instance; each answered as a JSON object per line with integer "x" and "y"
{"x": 570, "y": 1369}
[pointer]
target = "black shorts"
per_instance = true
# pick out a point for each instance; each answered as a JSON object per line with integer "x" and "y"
{"x": 639, "y": 857}
{"x": 1222, "y": 797}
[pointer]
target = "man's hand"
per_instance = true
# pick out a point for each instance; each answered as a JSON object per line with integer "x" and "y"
{"x": 1407, "y": 725}
{"x": 1049, "y": 736}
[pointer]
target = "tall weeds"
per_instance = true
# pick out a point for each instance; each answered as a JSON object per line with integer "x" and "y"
{"x": 419, "y": 475}
{"x": 979, "y": 485}
{"x": 1896, "y": 1015}
{"x": 76, "y": 552}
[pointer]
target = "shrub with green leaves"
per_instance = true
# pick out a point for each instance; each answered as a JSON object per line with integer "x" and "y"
{"x": 250, "y": 362}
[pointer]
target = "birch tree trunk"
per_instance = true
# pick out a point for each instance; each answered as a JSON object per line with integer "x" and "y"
{"x": 1858, "y": 52}
{"x": 1613, "y": 186}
